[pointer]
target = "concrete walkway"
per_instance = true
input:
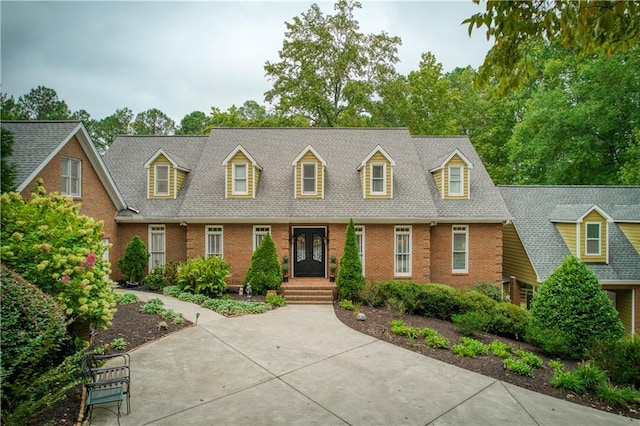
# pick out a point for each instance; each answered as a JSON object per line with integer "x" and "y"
{"x": 301, "y": 365}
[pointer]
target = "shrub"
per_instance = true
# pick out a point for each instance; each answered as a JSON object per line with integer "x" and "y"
{"x": 472, "y": 300}
{"x": 52, "y": 246}
{"x": 518, "y": 366}
{"x": 591, "y": 375}
{"x": 619, "y": 396}
{"x": 571, "y": 303}
{"x": 155, "y": 280}
{"x": 489, "y": 289}
{"x": 33, "y": 337}
{"x": 134, "y": 261}
{"x": 395, "y": 306}
{"x": 350, "y": 280}
{"x": 399, "y": 293}
{"x": 171, "y": 272}
{"x": 204, "y": 275}
{"x": 620, "y": 358}
{"x": 153, "y": 306}
{"x": 126, "y": 299}
{"x": 437, "y": 301}
{"x": 470, "y": 347}
{"x": 370, "y": 294}
{"x": 507, "y": 319}
{"x": 469, "y": 322}
{"x": 265, "y": 271}
{"x": 275, "y": 300}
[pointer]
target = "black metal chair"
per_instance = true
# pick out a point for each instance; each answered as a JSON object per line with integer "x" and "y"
{"x": 108, "y": 384}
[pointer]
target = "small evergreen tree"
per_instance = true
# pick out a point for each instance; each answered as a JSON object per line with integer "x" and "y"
{"x": 265, "y": 270}
{"x": 570, "y": 312}
{"x": 350, "y": 280}
{"x": 134, "y": 260}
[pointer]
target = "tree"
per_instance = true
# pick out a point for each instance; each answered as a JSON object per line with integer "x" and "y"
{"x": 265, "y": 272}
{"x": 350, "y": 280}
{"x": 570, "y": 312}
{"x": 42, "y": 103}
{"x": 629, "y": 173}
{"x": 107, "y": 129}
{"x": 329, "y": 71}
{"x": 194, "y": 123}
{"x": 134, "y": 261}
{"x": 8, "y": 170}
{"x": 10, "y": 109}
{"x": 582, "y": 27}
{"x": 153, "y": 122}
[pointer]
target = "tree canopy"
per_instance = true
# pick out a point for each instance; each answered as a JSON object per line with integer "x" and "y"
{"x": 329, "y": 71}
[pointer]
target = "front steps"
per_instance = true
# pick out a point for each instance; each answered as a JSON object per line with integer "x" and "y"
{"x": 309, "y": 291}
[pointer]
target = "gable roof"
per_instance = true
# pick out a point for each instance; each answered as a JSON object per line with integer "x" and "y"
{"x": 35, "y": 143}
{"x": 315, "y": 153}
{"x": 239, "y": 148}
{"x": 202, "y": 198}
{"x": 177, "y": 161}
{"x": 448, "y": 158}
{"x": 534, "y": 207}
{"x": 372, "y": 153}
{"x": 575, "y": 213}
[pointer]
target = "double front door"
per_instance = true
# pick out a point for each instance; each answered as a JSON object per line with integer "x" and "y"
{"x": 309, "y": 252}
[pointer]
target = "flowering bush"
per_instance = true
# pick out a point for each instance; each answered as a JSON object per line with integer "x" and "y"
{"x": 51, "y": 245}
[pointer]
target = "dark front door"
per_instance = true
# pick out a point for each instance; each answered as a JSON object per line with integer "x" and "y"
{"x": 308, "y": 249}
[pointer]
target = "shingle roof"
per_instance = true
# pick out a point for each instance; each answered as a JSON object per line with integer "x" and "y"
{"x": 534, "y": 207}
{"x": 34, "y": 142}
{"x": 202, "y": 197}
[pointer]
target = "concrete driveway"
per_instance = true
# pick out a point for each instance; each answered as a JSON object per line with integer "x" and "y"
{"x": 300, "y": 365}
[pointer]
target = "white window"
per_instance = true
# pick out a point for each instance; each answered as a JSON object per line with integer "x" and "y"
{"x": 71, "y": 177}
{"x": 214, "y": 241}
{"x": 455, "y": 180}
{"x": 378, "y": 181}
{"x": 460, "y": 248}
{"x": 162, "y": 180}
{"x": 258, "y": 234}
{"x": 309, "y": 179}
{"x": 403, "y": 251}
{"x": 240, "y": 186}
{"x": 156, "y": 245}
{"x": 592, "y": 241}
{"x": 360, "y": 241}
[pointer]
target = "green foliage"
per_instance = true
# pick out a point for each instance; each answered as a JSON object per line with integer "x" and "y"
{"x": 370, "y": 294}
{"x": 204, "y": 275}
{"x": 275, "y": 300}
{"x": 153, "y": 122}
{"x": 126, "y": 299}
{"x": 395, "y": 306}
{"x": 33, "y": 335}
{"x": 173, "y": 291}
{"x": 347, "y": 305}
{"x": 489, "y": 289}
{"x": 265, "y": 271}
{"x": 431, "y": 300}
{"x": 470, "y": 347}
{"x": 36, "y": 394}
{"x": 52, "y": 246}
{"x": 134, "y": 261}
{"x": 591, "y": 375}
{"x": 507, "y": 319}
{"x": 473, "y": 300}
{"x": 174, "y": 317}
{"x": 518, "y": 366}
{"x": 155, "y": 280}
{"x": 350, "y": 280}
{"x": 152, "y": 307}
{"x": 171, "y": 272}
{"x": 618, "y": 396}
{"x": 222, "y": 306}
{"x": 529, "y": 358}
{"x": 194, "y": 123}
{"x": 570, "y": 312}
{"x": 629, "y": 173}
{"x": 620, "y": 358}
{"x": 500, "y": 349}
{"x": 7, "y": 170}
{"x": 42, "y": 103}
{"x": 118, "y": 344}
{"x": 433, "y": 339}
{"x": 568, "y": 381}
{"x": 556, "y": 365}
{"x": 469, "y": 322}
{"x": 329, "y": 71}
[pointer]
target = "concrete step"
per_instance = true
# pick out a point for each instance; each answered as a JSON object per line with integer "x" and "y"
{"x": 314, "y": 292}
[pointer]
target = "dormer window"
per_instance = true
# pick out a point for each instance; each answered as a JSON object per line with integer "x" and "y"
{"x": 309, "y": 186}
{"x": 378, "y": 178}
{"x": 162, "y": 180}
{"x": 456, "y": 181}
{"x": 592, "y": 239}
{"x": 240, "y": 179}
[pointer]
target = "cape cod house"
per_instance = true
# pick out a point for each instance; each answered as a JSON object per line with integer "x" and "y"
{"x": 424, "y": 207}
{"x": 598, "y": 224}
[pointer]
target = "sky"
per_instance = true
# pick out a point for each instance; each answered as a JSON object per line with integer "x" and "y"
{"x": 181, "y": 57}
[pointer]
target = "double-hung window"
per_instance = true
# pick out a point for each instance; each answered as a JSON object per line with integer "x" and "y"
{"x": 592, "y": 239}
{"x": 259, "y": 233}
{"x": 309, "y": 186}
{"x": 162, "y": 180}
{"x": 240, "y": 186}
{"x": 71, "y": 177}
{"x": 360, "y": 241}
{"x": 378, "y": 186}
{"x": 214, "y": 241}
{"x": 455, "y": 180}
{"x": 460, "y": 248}
{"x": 402, "y": 251}
{"x": 156, "y": 246}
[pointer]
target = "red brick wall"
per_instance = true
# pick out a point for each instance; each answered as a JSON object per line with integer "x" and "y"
{"x": 95, "y": 201}
{"x": 485, "y": 255}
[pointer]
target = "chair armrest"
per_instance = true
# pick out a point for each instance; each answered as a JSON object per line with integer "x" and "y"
{"x": 100, "y": 370}
{"x": 106, "y": 383}
{"x": 125, "y": 356}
